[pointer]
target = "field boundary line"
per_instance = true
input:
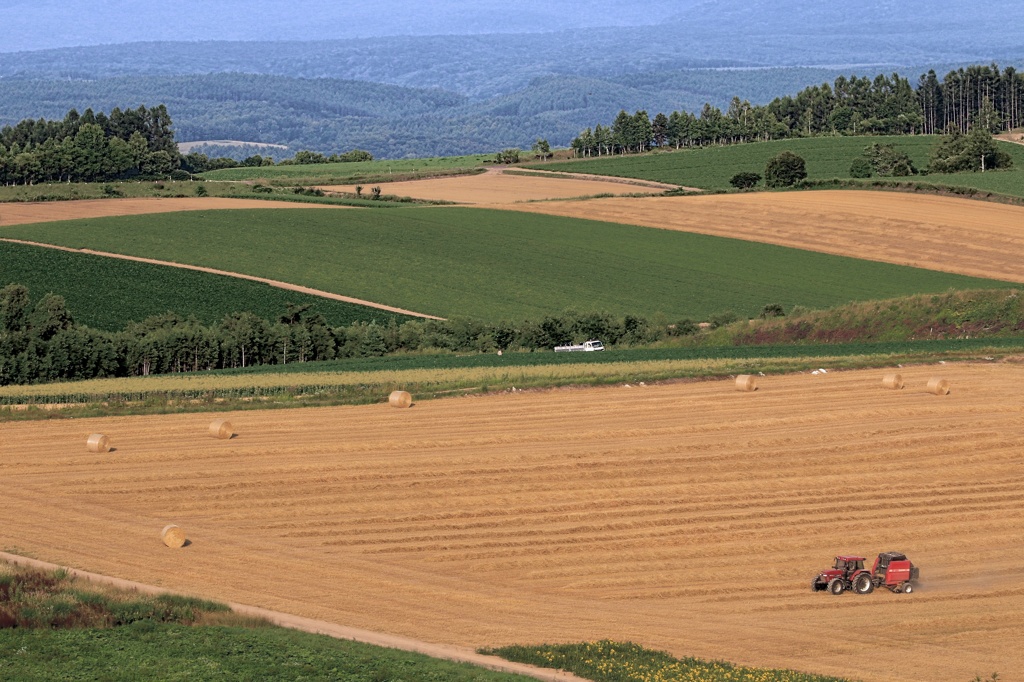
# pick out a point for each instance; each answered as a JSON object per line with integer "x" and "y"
{"x": 237, "y": 275}
{"x": 322, "y": 627}
{"x": 638, "y": 182}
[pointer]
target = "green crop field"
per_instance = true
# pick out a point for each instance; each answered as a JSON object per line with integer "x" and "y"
{"x": 159, "y": 651}
{"x": 329, "y": 172}
{"x": 826, "y": 157}
{"x": 497, "y": 265}
{"x": 107, "y": 293}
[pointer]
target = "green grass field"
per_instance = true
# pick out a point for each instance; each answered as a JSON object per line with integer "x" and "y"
{"x": 54, "y": 626}
{"x": 166, "y": 652}
{"x": 826, "y": 157}
{"x": 497, "y": 265}
{"x": 107, "y": 293}
{"x": 341, "y": 172}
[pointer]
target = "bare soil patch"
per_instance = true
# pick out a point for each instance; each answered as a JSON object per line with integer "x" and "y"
{"x": 498, "y": 187}
{"x": 968, "y": 237}
{"x": 689, "y": 517}
{"x": 16, "y": 213}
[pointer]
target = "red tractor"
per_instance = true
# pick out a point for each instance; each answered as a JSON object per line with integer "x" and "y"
{"x": 891, "y": 570}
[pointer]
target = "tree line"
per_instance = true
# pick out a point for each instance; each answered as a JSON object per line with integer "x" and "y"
{"x": 976, "y": 97}
{"x": 127, "y": 144}
{"x": 89, "y": 147}
{"x": 42, "y": 342}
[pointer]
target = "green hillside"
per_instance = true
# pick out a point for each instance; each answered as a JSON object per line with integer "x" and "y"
{"x": 499, "y": 265}
{"x": 826, "y": 157}
{"x": 107, "y": 293}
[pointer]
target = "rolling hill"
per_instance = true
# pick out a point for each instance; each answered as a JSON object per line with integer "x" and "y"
{"x": 499, "y": 265}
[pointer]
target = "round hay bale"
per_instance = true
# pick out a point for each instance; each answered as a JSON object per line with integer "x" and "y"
{"x": 746, "y": 383}
{"x": 893, "y": 381}
{"x": 400, "y": 399}
{"x": 221, "y": 428}
{"x": 173, "y": 536}
{"x": 98, "y": 443}
{"x": 938, "y": 386}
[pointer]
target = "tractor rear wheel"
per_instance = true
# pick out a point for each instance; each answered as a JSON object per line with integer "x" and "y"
{"x": 863, "y": 584}
{"x": 836, "y": 586}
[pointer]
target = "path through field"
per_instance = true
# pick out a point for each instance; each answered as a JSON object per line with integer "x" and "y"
{"x": 689, "y": 516}
{"x": 498, "y": 187}
{"x": 964, "y": 236}
{"x": 237, "y": 275}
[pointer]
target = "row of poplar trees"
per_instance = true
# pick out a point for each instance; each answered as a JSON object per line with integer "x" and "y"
{"x": 978, "y": 96}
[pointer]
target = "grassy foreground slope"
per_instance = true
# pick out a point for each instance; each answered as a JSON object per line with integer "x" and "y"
{"x": 107, "y": 293}
{"x": 826, "y": 157}
{"x": 157, "y": 651}
{"x": 54, "y": 626}
{"x": 499, "y": 265}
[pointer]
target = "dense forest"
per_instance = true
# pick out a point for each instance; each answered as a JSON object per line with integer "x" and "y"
{"x": 89, "y": 147}
{"x": 42, "y": 342}
{"x": 976, "y": 97}
{"x": 341, "y": 119}
{"x": 333, "y": 116}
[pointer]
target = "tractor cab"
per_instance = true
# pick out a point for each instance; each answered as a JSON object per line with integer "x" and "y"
{"x": 849, "y": 564}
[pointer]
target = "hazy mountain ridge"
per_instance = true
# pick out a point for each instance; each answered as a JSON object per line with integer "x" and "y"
{"x": 65, "y": 23}
{"x": 552, "y": 68}
{"x": 675, "y": 35}
{"x": 331, "y": 115}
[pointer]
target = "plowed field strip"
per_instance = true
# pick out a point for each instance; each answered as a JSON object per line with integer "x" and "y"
{"x": 689, "y": 517}
{"x": 51, "y": 211}
{"x": 938, "y": 233}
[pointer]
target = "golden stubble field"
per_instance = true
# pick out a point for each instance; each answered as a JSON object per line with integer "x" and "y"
{"x": 686, "y": 516}
{"x": 964, "y": 236}
{"x": 498, "y": 187}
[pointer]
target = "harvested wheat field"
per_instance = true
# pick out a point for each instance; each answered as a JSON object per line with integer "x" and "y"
{"x": 497, "y": 187}
{"x": 690, "y": 516}
{"x": 964, "y": 236}
{"x": 17, "y": 213}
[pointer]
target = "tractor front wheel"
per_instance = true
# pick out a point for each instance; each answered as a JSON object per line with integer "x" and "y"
{"x": 863, "y": 585}
{"x": 817, "y": 586}
{"x": 836, "y": 586}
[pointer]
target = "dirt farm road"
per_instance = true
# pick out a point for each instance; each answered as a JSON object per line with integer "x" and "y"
{"x": 237, "y": 275}
{"x": 687, "y": 517}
